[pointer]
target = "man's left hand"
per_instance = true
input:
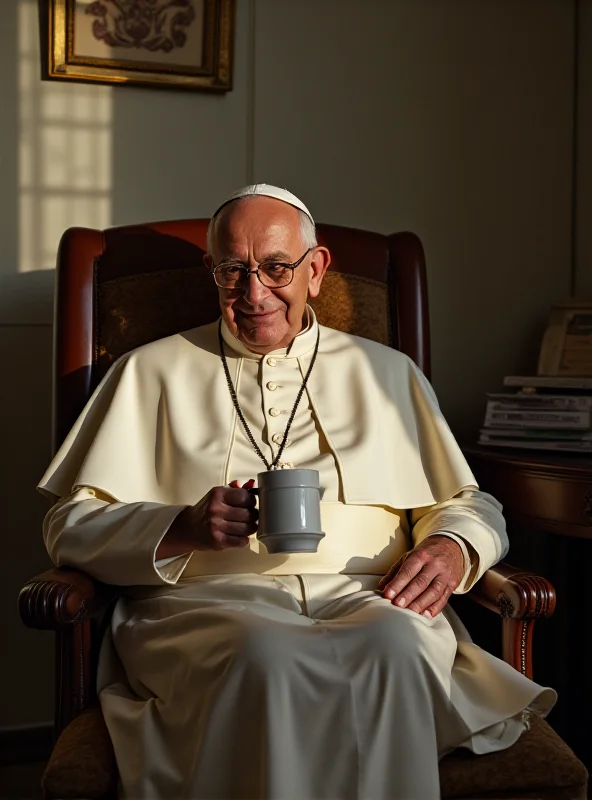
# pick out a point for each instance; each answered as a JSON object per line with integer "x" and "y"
{"x": 428, "y": 576}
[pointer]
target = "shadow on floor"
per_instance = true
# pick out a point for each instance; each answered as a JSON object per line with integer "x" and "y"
{"x": 21, "y": 781}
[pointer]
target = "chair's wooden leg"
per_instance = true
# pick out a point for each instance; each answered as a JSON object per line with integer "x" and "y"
{"x": 517, "y": 644}
{"x": 74, "y": 680}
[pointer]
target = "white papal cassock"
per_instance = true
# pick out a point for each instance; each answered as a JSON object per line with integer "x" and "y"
{"x": 237, "y": 674}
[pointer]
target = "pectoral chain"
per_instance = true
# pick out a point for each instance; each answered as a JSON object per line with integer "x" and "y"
{"x": 276, "y": 463}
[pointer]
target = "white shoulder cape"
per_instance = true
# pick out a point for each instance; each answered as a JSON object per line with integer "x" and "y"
{"x": 159, "y": 428}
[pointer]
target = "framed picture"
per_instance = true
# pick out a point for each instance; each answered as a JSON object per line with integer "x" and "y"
{"x": 567, "y": 343}
{"x": 180, "y": 43}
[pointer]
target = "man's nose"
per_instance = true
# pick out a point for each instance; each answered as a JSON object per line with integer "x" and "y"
{"x": 255, "y": 292}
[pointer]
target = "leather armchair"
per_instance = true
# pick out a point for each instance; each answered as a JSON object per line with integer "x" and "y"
{"x": 120, "y": 288}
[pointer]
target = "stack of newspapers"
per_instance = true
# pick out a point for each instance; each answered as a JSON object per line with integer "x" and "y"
{"x": 540, "y": 413}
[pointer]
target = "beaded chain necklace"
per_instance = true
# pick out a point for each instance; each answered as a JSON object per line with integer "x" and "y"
{"x": 233, "y": 395}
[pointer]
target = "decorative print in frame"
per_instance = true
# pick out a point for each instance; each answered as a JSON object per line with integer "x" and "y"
{"x": 180, "y": 43}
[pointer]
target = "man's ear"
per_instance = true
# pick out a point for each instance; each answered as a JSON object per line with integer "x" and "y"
{"x": 207, "y": 260}
{"x": 319, "y": 264}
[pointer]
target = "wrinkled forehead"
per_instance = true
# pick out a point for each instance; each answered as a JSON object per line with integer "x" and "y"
{"x": 256, "y": 223}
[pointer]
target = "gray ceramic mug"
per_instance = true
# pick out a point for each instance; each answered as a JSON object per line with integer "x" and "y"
{"x": 289, "y": 510}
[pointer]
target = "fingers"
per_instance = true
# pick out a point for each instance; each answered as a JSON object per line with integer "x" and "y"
{"x": 227, "y": 533}
{"x": 222, "y": 541}
{"x": 224, "y": 533}
{"x": 426, "y": 594}
{"x": 411, "y": 567}
{"x": 420, "y": 584}
{"x": 425, "y": 580}
{"x": 439, "y": 606}
{"x": 248, "y": 485}
{"x": 227, "y": 517}
{"x": 236, "y": 528}
{"x": 431, "y": 597}
{"x": 388, "y": 577}
{"x": 239, "y": 505}
{"x": 240, "y": 514}
{"x": 241, "y": 498}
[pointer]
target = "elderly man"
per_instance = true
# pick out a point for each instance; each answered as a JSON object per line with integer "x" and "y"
{"x": 233, "y": 673}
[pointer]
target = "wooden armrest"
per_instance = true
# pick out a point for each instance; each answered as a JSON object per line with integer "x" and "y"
{"x": 61, "y": 596}
{"x": 514, "y": 593}
{"x": 519, "y": 597}
{"x": 68, "y": 601}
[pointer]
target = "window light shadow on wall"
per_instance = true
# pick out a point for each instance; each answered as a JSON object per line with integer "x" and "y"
{"x": 65, "y": 153}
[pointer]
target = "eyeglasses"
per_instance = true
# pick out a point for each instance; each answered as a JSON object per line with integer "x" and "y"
{"x": 273, "y": 274}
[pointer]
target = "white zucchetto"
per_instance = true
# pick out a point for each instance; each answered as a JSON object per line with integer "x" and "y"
{"x": 266, "y": 190}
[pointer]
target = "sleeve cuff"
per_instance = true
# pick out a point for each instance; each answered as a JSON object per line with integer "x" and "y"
{"x": 171, "y": 569}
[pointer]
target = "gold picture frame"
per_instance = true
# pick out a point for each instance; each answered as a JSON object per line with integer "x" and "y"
{"x": 185, "y": 44}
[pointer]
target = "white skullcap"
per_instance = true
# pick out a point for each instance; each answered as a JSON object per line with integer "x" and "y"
{"x": 266, "y": 190}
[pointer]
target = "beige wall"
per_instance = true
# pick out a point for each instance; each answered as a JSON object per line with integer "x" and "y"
{"x": 447, "y": 117}
{"x": 583, "y": 287}
{"x": 450, "y": 118}
{"x": 72, "y": 154}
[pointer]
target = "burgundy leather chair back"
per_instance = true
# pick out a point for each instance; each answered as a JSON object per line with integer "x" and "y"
{"x": 123, "y": 287}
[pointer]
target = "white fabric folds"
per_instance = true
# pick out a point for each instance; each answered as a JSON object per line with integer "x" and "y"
{"x": 258, "y": 687}
{"x": 160, "y": 426}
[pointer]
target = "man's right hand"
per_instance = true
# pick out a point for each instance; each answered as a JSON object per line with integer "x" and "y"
{"x": 225, "y": 517}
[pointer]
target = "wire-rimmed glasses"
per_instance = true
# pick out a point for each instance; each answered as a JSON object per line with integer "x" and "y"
{"x": 272, "y": 274}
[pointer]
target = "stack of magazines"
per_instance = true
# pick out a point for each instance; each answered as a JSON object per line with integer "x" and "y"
{"x": 540, "y": 413}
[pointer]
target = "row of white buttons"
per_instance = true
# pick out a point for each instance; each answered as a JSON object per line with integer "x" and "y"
{"x": 278, "y": 438}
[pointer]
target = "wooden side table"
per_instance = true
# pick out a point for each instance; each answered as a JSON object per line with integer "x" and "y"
{"x": 547, "y": 502}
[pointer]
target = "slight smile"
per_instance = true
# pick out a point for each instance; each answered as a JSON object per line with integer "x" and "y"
{"x": 254, "y": 316}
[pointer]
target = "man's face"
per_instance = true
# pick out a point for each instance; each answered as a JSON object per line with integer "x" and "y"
{"x": 253, "y": 232}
